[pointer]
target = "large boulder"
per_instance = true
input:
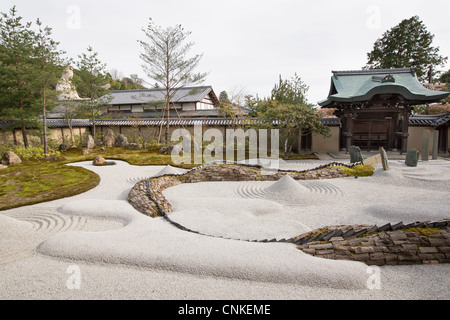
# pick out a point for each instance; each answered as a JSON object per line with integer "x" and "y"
{"x": 99, "y": 161}
{"x": 355, "y": 154}
{"x": 9, "y": 158}
{"x": 384, "y": 159}
{"x": 412, "y": 157}
{"x": 90, "y": 142}
{"x": 109, "y": 139}
{"x": 121, "y": 141}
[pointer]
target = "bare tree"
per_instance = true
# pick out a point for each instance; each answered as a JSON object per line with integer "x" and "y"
{"x": 115, "y": 74}
{"x": 164, "y": 61}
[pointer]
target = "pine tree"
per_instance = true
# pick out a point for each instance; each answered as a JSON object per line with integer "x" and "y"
{"x": 18, "y": 94}
{"x": 409, "y": 44}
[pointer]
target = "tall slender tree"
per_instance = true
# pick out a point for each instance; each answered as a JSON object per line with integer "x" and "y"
{"x": 49, "y": 71}
{"x": 165, "y": 61}
{"x": 17, "y": 94}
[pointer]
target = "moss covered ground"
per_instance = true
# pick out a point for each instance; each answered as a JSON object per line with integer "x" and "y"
{"x": 38, "y": 181}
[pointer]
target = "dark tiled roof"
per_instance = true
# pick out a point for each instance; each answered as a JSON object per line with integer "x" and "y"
{"x": 331, "y": 122}
{"x": 51, "y": 123}
{"x": 435, "y": 120}
{"x": 143, "y": 96}
{"x": 61, "y": 123}
{"x": 173, "y": 122}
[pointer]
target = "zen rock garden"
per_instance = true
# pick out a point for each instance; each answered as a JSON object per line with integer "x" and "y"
{"x": 422, "y": 242}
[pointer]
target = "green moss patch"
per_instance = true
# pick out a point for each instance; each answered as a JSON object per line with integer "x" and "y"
{"x": 39, "y": 181}
{"x": 423, "y": 231}
{"x": 358, "y": 170}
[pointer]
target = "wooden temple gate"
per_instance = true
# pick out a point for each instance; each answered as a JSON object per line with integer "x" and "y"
{"x": 371, "y": 128}
{"x": 374, "y": 106}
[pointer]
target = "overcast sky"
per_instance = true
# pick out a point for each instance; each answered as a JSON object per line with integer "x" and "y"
{"x": 246, "y": 44}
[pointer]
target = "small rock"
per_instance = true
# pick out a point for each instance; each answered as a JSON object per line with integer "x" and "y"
{"x": 64, "y": 146}
{"x": 87, "y": 151}
{"x": 172, "y": 149}
{"x": 134, "y": 146}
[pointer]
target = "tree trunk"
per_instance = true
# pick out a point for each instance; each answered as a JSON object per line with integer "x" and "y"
{"x": 168, "y": 114}
{"x": 24, "y": 134}
{"x": 93, "y": 118}
{"x": 44, "y": 119}
{"x": 72, "y": 138}
{"x": 14, "y": 137}
{"x": 286, "y": 149}
{"x": 167, "y": 125}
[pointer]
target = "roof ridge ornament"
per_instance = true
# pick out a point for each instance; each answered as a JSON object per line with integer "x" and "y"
{"x": 383, "y": 79}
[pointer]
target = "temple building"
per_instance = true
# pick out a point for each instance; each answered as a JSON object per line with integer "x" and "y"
{"x": 186, "y": 102}
{"x": 374, "y": 108}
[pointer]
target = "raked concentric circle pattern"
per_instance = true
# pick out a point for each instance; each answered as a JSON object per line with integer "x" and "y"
{"x": 313, "y": 192}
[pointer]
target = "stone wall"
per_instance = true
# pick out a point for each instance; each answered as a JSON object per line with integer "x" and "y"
{"x": 146, "y": 196}
{"x": 425, "y": 244}
{"x": 59, "y": 135}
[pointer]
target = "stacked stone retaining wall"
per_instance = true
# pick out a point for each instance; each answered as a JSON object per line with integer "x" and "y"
{"x": 400, "y": 247}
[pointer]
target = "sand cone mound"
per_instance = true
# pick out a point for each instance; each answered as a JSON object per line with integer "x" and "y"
{"x": 170, "y": 170}
{"x": 288, "y": 186}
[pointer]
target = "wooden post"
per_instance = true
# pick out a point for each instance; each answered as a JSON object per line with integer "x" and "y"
{"x": 405, "y": 133}
{"x": 349, "y": 131}
{"x": 392, "y": 122}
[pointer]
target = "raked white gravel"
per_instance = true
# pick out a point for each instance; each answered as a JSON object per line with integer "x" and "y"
{"x": 121, "y": 254}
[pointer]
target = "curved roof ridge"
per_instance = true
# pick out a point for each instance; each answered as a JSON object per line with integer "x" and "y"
{"x": 374, "y": 71}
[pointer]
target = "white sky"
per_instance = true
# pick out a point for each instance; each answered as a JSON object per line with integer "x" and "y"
{"x": 246, "y": 44}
